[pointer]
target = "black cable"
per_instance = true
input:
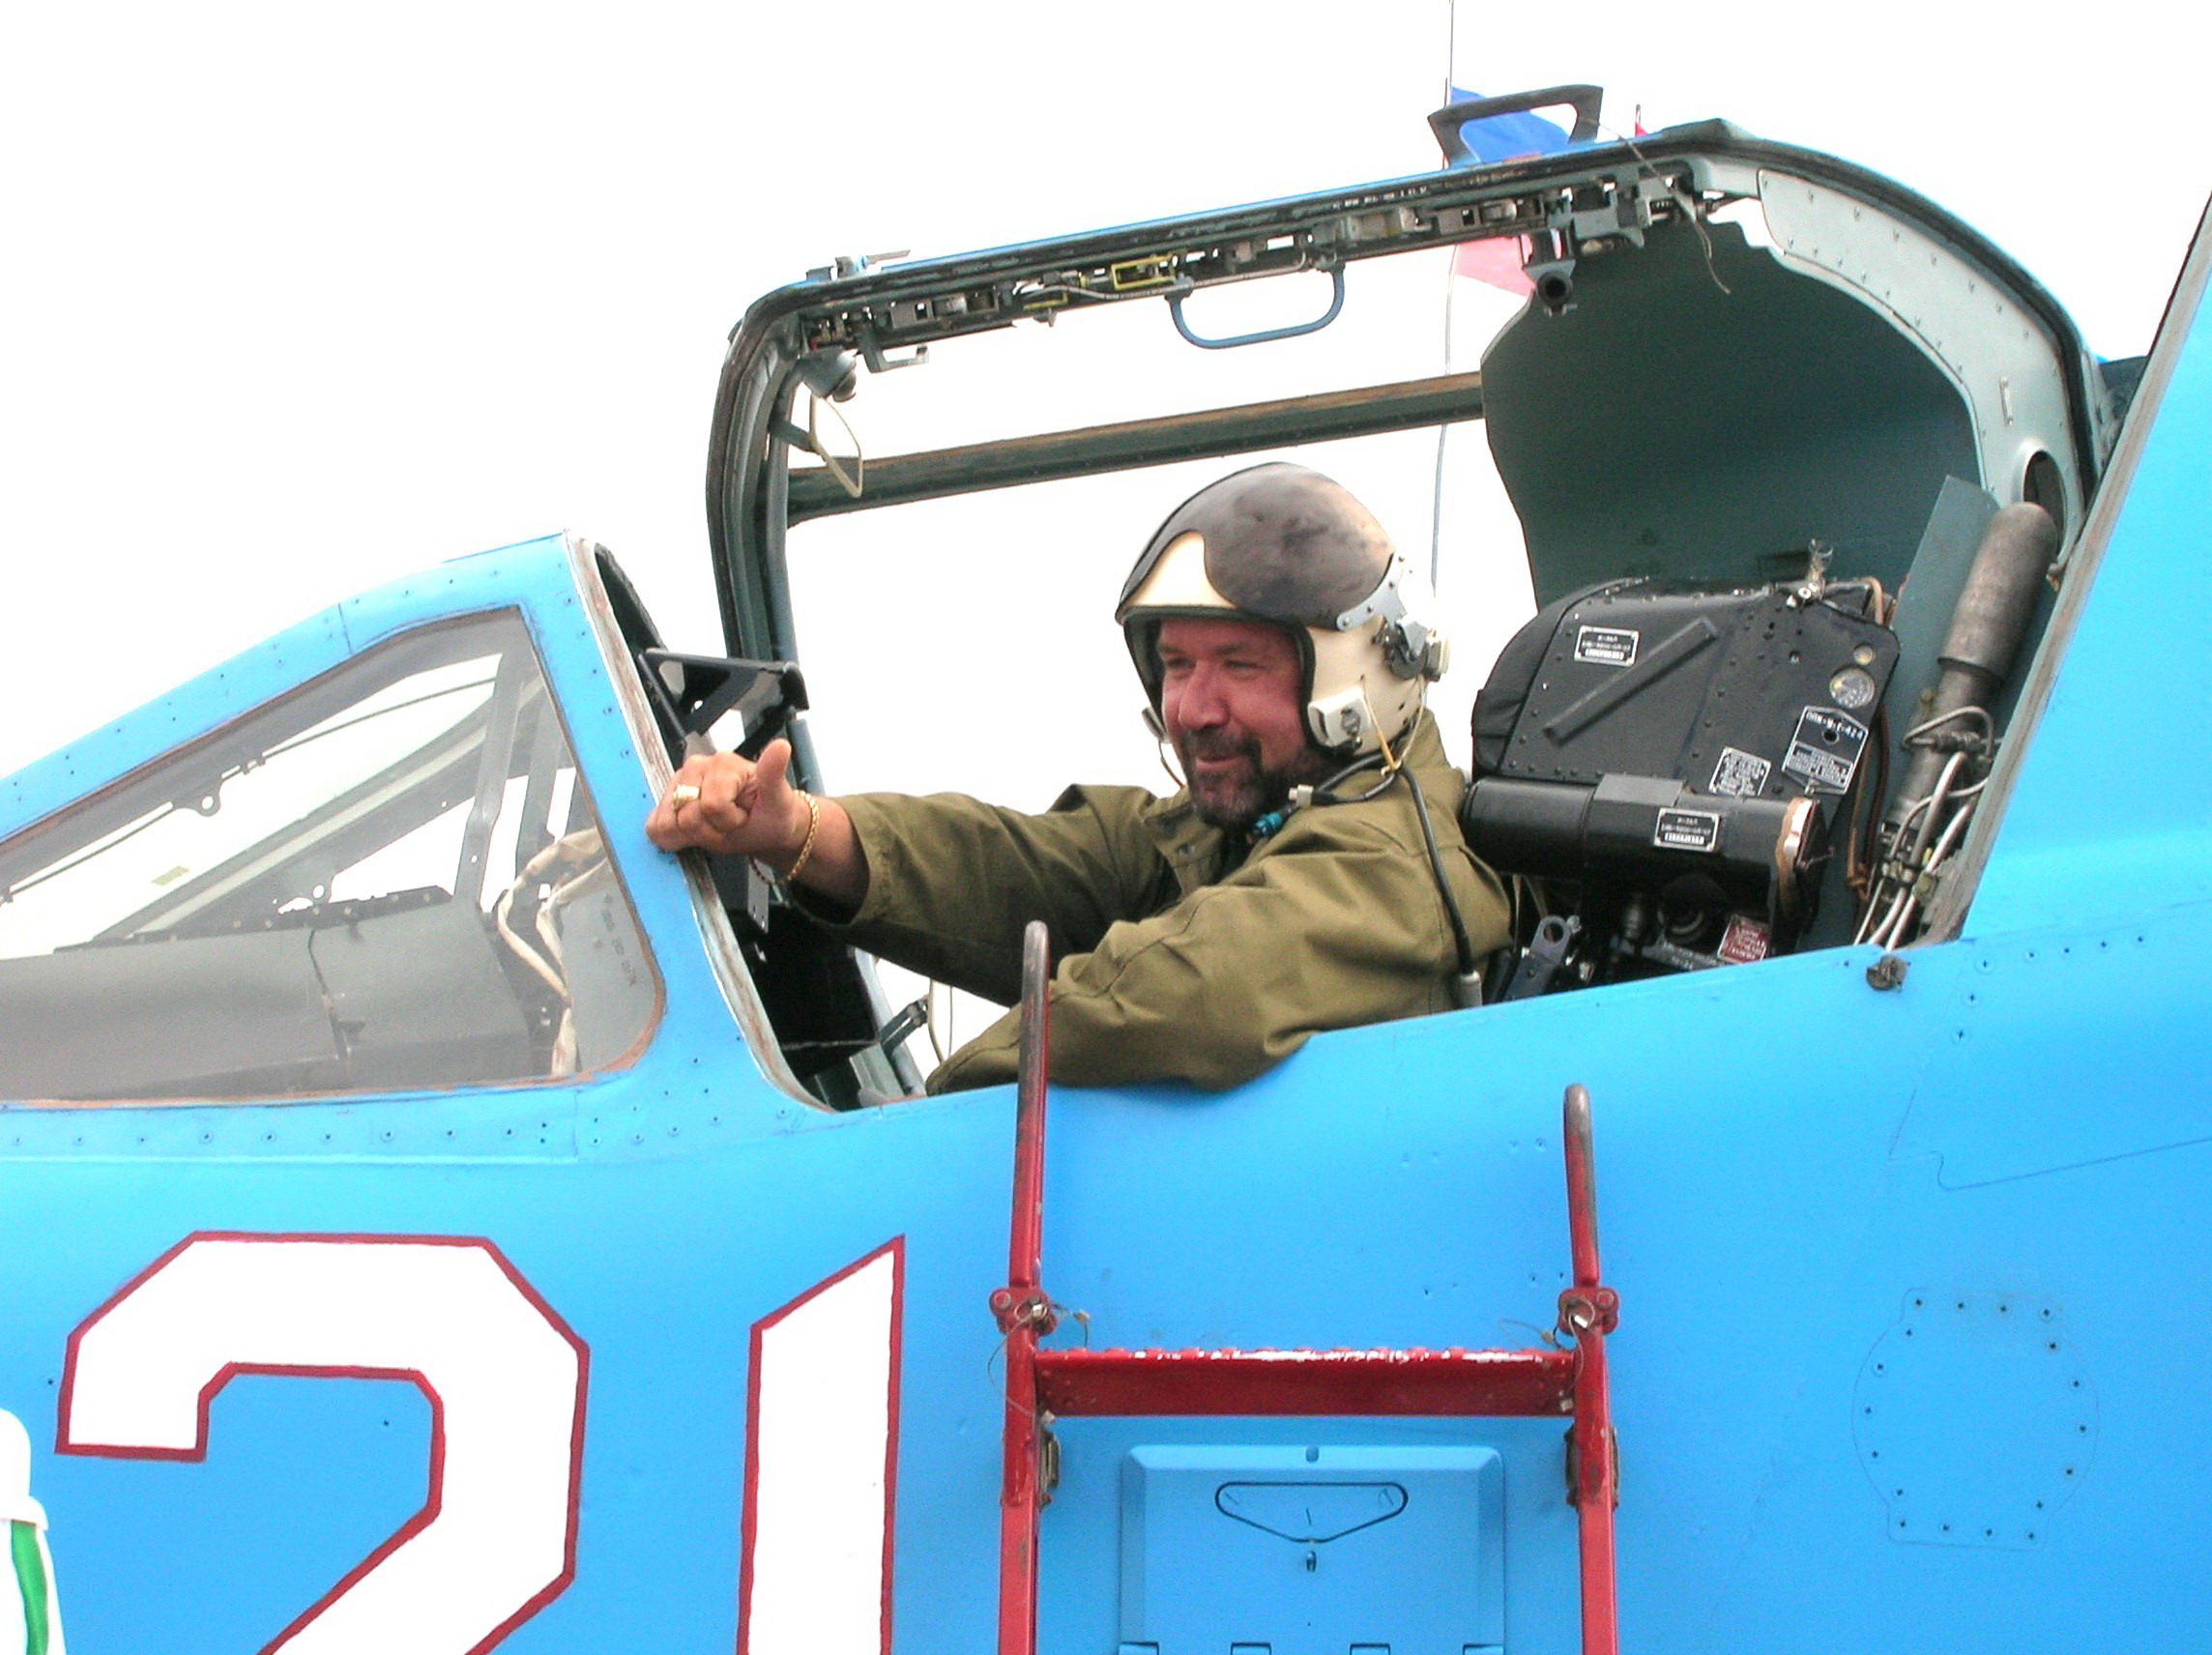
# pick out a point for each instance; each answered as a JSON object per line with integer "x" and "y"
{"x": 1443, "y": 885}
{"x": 1462, "y": 946}
{"x": 1323, "y": 791}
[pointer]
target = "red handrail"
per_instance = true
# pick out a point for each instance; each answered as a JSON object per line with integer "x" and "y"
{"x": 1023, "y": 1313}
{"x": 1588, "y": 1312}
{"x": 1040, "y": 1384}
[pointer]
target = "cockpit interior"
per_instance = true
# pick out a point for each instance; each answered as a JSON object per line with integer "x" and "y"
{"x": 1797, "y": 461}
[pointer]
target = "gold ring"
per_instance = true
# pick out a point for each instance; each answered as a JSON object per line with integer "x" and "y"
{"x": 683, "y": 793}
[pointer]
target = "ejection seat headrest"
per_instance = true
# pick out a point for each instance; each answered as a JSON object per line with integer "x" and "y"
{"x": 1498, "y": 704}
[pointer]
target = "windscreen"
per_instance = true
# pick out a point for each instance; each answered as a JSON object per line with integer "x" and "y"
{"x": 392, "y": 877}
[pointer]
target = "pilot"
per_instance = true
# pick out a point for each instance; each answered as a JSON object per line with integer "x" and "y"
{"x": 1309, "y": 875}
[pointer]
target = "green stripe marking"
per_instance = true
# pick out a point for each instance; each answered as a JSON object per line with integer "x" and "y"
{"x": 31, "y": 1582}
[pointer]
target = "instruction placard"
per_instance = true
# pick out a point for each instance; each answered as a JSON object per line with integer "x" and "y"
{"x": 1740, "y": 774}
{"x": 1824, "y": 754}
{"x": 1687, "y": 830}
{"x": 1744, "y": 941}
{"x": 1607, "y": 646}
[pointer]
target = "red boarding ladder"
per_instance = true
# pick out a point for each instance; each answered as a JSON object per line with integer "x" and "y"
{"x": 1041, "y": 1384}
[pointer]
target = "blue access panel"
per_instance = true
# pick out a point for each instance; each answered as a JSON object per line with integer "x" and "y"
{"x": 1313, "y": 1551}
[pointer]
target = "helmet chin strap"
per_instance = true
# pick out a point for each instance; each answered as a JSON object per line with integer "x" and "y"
{"x": 1159, "y": 733}
{"x": 1390, "y": 760}
{"x": 1392, "y": 763}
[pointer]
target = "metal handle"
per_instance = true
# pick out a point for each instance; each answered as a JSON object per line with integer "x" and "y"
{"x": 1446, "y": 122}
{"x": 1335, "y": 304}
{"x": 1027, "y": 1244}
{"x": 1588, "y": 1312}
{"x": 1582, "y": 1185}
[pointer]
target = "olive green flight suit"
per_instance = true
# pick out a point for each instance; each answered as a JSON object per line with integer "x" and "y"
{"x": 1180, "y": 953}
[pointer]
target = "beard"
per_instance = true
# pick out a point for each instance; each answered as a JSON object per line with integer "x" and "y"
{"x": 1234, "y": 797}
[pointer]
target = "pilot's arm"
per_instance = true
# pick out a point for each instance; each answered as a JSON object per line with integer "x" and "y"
{"x": 953, "y": 882}
{"x": 942, "y": 884}
{"x": 1339, "y": 924}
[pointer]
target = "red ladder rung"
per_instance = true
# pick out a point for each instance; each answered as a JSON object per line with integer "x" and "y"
{"x": 1185, "y": 1382}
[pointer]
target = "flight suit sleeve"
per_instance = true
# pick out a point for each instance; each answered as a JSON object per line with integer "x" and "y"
{"x": 1328, "y": 930}
{"x": 952, "y": 882}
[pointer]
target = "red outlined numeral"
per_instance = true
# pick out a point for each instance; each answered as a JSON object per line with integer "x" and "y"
{"x": 822, "y": 1466}
{"x": 495, "y": 1541}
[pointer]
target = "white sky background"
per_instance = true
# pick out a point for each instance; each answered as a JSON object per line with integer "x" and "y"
{"x": 299, "y": 300}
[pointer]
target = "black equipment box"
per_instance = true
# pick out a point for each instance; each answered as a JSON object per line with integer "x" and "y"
{"x": 1765, "y": 693}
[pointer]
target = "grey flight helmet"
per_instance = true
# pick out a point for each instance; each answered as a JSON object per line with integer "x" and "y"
{"x": 1285, "y": 545}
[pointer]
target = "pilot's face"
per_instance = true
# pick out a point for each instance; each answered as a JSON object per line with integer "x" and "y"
{"x": 1230, "y": 700}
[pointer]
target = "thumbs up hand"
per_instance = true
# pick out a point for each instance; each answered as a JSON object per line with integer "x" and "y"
{"x": 734, "y": 806}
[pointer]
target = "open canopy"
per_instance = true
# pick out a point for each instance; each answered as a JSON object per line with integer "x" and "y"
{"x": 1736, "y": 349}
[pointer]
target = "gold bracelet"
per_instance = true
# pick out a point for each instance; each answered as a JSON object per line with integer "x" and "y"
{"x": 807, "y": 848}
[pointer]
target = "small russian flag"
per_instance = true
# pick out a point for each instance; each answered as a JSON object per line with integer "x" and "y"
{"x": 1497, "y": 261}
{"x": 1506, "y": 137}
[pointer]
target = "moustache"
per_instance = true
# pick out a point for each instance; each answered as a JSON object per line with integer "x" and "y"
{"x": 1214, "y": 745}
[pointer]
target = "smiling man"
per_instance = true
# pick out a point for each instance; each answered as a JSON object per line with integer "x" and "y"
{"x": 1310, "y": 875}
